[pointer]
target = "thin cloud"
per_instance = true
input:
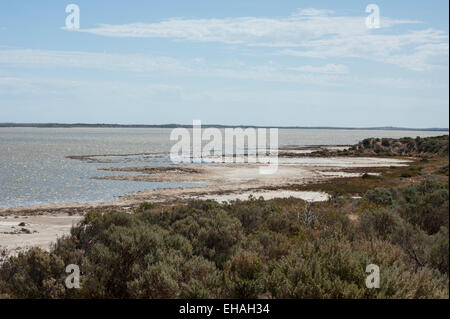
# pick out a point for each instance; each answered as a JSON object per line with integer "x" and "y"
{"x": 334, "y": 75}
{"x": 89, "y": 60}
{"x": 313, "y": 12}
{"x": 328, "y": 68}
{"x": 308, "y": 32}
{"x": 415, "y": 50}
{"x": 295, "y": 30}
{"x": 149, "y": 65}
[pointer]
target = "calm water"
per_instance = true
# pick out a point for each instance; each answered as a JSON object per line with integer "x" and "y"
{"x": 34, "y": 168}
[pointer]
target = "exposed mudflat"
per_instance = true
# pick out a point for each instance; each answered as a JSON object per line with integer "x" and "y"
{"x": 267, "y": 195}
{"x": 221, "y": 182}
{"x": 22, "y": 232}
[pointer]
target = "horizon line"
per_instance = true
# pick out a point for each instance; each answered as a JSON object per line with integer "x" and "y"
{"x": 175, "y": 125}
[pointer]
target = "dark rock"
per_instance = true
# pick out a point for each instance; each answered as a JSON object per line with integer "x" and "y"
{"x": 26, "y": 231}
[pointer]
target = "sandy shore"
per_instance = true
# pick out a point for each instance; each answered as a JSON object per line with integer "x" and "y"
{"x": 222, "y": 182}
{"x": 267, "y": 195}
{"x": 22, "y": 232}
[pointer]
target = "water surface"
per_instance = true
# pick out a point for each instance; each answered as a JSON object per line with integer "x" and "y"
{"x": 34, "y": 168}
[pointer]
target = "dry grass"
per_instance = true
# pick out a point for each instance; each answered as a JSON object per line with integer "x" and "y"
{"x": 416, "y": 172}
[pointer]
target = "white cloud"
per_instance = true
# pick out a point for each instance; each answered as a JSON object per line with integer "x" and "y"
{"x": 147, "y": 65}
{"x": 336, "y": 75}
{"x": 415, "y": 50}
{"x": 295, "y": 30}
{"x": 312, "y": 12}
{"x": 328, "y": 68}
{"x": 424, "y": 57}
{"x": 52, "y": 87}
{"x": 89, "y": 60}
{"x": 308, "y": 33}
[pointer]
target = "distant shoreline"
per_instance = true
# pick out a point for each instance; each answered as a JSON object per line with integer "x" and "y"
{"x": 99, "y": 125}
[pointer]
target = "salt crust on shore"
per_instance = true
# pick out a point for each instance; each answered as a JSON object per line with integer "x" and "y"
{"x": 44, "y": 223}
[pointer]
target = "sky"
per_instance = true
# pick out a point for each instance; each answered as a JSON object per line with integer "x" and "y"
{"x": 280, "y": 63}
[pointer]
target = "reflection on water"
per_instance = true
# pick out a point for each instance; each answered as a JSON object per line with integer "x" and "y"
{"x": 34, "y": 168}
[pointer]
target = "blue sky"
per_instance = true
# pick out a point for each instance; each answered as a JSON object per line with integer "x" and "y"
{"x": 306, "y": 63}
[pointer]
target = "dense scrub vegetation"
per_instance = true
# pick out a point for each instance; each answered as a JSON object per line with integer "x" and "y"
{"x": 251, "y": 249}
{"x": 407, "y": 146}
{"x": 423, "y": 147}
{"x": 430, "y": 160}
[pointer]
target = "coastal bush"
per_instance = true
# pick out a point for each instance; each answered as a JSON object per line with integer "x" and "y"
{"x": 282, "y": 248}
{"x": 435, "y": 145}
{"x": 385, "y": 142}
{"x": 245, "y": 273}
{"x": 379, "y": 196}
{"x": 381, "y": 223}
{"x": 416, "y": 221}
{"x": 425, "y": 205}
{"x": 438, "y": 254}
{"x": 443, "y": 170}
{"x": 34, "y": 274}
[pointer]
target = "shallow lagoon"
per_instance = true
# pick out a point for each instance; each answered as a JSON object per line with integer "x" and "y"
{"x": 34, "y": 168}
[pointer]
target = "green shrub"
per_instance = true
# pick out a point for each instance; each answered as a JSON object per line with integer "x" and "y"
{"x": 380, "y": 223}
{"x": 379, "y": 196}
{"x": 34, "y": 274}
{"x": 245, "y": 274}
{"x": 283, "y": 248}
